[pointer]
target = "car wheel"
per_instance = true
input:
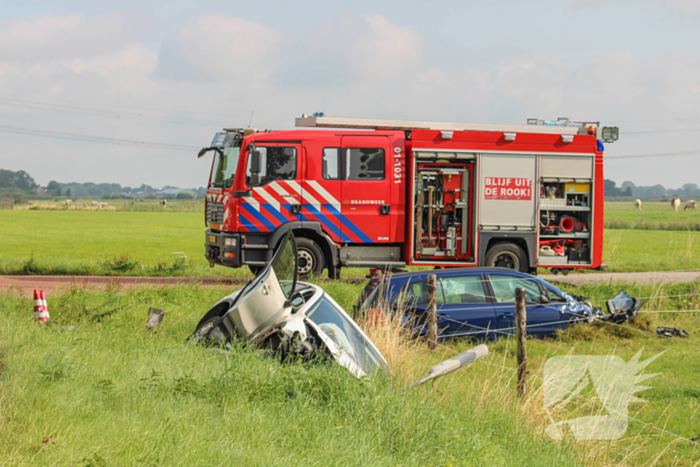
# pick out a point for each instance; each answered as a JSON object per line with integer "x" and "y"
{"x": 209, "y": 334}
{"x": 507, "y": 255}
{"x": 311, "y": 259}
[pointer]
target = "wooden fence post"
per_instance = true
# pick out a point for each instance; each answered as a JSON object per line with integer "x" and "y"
{"x": 520, "y": 335}
{"x": 432, "y": 312}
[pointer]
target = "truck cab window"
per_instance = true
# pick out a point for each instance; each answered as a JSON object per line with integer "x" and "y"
{"x": 278, "y": 163}
{"x": 224, "y": 168}
{"x": 331, "y": 165}
{"x": 364, "y": 163}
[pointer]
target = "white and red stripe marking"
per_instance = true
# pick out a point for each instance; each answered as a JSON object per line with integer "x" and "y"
{"x": 41, "y": 309}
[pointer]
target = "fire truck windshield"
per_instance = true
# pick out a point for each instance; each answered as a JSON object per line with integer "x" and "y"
{"x": 224, "y": 168}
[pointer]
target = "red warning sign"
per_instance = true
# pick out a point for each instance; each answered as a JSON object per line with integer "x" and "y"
{"x": 508, "y": 188}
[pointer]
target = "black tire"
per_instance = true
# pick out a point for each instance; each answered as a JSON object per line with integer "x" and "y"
{"x": 311, "y": 260}
{"x": 255, "y": 269}
{"x": 507, "y": 255}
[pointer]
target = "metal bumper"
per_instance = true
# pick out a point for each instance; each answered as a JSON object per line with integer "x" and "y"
{"x": 218, "y": 252}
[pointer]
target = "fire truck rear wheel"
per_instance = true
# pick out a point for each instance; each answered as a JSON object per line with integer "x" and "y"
{"x": 311, "y": 259}
{"x": 507, "y": 255}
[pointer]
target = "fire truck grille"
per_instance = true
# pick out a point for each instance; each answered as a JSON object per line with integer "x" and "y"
{"x": 215, "y": 213}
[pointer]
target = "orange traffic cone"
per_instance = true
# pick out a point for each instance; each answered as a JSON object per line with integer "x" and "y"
{"x": 41, "y": 309}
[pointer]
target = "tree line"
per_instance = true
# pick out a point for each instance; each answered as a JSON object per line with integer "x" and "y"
{"x": 689, "y": 190}
{"x": 20, "y": 185}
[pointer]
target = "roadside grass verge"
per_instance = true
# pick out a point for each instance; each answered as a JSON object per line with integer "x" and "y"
{"x": 104, "y": 390}
{"x": 94, "y": 388}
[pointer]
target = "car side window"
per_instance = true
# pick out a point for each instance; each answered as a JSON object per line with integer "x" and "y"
{"x": 466, "y": 290}
{"x": 415, "y": 293}
{"x": 555, "y": 297}
{"x": 504, "y": 288}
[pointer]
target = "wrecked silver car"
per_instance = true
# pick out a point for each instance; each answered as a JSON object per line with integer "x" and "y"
{"x": 294, "y": 319}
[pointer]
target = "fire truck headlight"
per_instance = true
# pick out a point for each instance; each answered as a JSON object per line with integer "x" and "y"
{"x": 229, "y": 242}
{"x": 610, "y": 134}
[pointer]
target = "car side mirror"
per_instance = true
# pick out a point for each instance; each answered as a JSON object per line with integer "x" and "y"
{"x": 297, "y": 299}
{"x": 254, "y": 179}
{"x": 544, "y": 298}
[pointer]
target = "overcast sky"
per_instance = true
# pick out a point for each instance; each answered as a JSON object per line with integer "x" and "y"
{"x": 175, "y": 72}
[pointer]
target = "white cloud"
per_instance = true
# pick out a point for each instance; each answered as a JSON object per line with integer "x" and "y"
{"x": 222, "y": 49}
{"x": 51, "y": 38}
{"x": 218, "y": 68}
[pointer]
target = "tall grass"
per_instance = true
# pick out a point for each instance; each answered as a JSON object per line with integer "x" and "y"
{"x": 95, "y": 388}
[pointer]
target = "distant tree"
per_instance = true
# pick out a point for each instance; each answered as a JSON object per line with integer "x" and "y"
{"x": 53, "y": 188}
{"x": 610, "y": 188}
{"x": 184, "y": 194}
{"x": 24, "y": 181}
{"x": 67, "y": 191}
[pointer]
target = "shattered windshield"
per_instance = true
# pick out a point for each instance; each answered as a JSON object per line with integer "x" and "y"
{"x": 224, "y": 168}
{"x": 345, "y": 334}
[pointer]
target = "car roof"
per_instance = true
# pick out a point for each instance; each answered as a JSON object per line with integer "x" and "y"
{"x": 466, "y": 271}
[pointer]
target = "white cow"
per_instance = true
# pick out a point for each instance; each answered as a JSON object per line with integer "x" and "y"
{"x": 638, "y": 204}
{"x": 691, "y": 204}
{"x": 675, "y": 203}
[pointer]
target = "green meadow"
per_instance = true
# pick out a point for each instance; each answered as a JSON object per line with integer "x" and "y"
{"x": 170, "y": 242}
{"x": 94, "y": 388}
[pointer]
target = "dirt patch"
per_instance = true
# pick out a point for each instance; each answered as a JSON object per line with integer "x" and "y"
{"x": 27, "y": 284}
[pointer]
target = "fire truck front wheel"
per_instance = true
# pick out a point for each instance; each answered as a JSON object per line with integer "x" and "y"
{"x": 311, "y": 259}
{"x": 507, "y": 255}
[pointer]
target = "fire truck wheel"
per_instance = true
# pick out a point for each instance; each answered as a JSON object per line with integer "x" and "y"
{"x": 311, "y": 259}
{"x": 507, "y": 255}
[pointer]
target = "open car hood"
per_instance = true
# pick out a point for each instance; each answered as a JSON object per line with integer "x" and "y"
{"x": 293, "y": 319}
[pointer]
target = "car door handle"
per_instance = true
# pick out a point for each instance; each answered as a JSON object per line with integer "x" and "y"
{"x": 445, "y": 315}
{"x": 508, "y": 314}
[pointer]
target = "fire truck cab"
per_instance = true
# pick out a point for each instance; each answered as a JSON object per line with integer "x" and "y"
{"x": 389, "y": 193}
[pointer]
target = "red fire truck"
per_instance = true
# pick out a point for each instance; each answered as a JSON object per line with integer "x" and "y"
{"x": 389, "y": 193}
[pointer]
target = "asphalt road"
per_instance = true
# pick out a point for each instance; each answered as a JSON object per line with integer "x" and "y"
{"x": 27, "y": 284}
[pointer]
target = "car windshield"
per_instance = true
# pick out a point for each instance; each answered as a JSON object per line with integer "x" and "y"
{"x": 346, "y": 335}
{"x": 224, "y": 168}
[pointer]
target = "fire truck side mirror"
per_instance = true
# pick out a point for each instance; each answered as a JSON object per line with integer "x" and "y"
{"x": 202, "y": 152}
{"x": 255, "y": 166}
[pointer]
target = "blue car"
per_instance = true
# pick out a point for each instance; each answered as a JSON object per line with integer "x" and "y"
{"x": 475, "y": 302}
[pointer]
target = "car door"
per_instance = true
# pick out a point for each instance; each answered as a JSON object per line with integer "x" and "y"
{"x": 412, "y": 301}
{"x": 264, "y": 301}
{"x": 541, "y": 316}
{"x": 467, "y": 309}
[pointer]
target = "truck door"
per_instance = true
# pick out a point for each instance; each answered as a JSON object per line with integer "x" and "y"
{"x": 366, "y": 189}
{"x": 322, "y": 190}
{"x": 276, "y": 199}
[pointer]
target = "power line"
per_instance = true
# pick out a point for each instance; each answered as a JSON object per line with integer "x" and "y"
{"x": 102, "y": 112}
{"x": 95, "y": 139}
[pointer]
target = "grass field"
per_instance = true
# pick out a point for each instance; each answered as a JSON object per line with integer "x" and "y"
{"x": 654, "y": 215}
{"x": 170, "y": 243}
{"x": 94, "y": 388}
{"x": 109, "y": 393}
